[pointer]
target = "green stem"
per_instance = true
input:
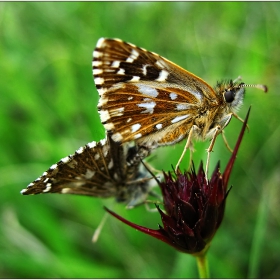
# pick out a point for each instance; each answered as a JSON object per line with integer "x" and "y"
{"x": 202, "y": 265}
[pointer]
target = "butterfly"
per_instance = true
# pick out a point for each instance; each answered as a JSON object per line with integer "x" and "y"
{"x": 150, "y": 100}
{"x": 101, "y": 169}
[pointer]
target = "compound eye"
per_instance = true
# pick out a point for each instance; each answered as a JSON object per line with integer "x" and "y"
{"x": 229, "y": 96}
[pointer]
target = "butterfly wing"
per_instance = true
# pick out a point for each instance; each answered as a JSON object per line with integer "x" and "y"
{"x": 144, "y": 96}
{"x": 97, "y": 169}
{"x": 85, "y": 173}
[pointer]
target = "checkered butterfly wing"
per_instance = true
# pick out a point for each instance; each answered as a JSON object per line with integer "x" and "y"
{"x": 145, "y": 97}
{"x": 103, "y": 169}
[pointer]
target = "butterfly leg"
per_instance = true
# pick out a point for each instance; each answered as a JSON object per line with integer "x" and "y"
{"x": 210, "y": 149}
{"x": 188, "y": 145}
{"x": 226, "y": 142}
{"x": 236, "y": 116}
{"x": 213, "y": 133}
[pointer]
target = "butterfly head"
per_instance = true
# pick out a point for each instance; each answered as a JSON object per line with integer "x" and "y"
{"x": 233, "y": 92}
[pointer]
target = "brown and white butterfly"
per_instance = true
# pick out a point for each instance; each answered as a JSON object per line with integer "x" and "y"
{"x": 150, "y": 100}
{"x": 101, "y": 169}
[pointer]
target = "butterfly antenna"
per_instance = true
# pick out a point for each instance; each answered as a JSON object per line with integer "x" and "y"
{"x": 261, "y": 87}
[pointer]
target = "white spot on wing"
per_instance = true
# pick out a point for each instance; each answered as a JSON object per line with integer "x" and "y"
{"x": 149, "y": 107}
{"x": 135, "y": 79}
{"x": 182, "y": 106}
{"x": 100, "y": 43}
{"x": 144, "y": 69}
{"x": 80, "y": 150}
{"x": 159, "y": 126}
{"x": 65, "y": 160}
{"x": 121, "y": 71}
{"x": 48, "y": 187}
{"x": 99, "y": 81}
{"x": 91, "y": 144}
{"x": 65, "y": 190}
{"x": 97, "y": 54}
{"x": 173, "y": 96}
{"x": 96, "y": 63}
{"x": 111, "y": 164}
{"x": 101, "y": 91}
{"x": 102, "y": 100}
{"x": 133, "y": 56}
{"x": 109, "y": 126}
{"x": 54, "y": 166}
{"x": 110, "y": 70}
{"x": 97, "y": 71}
{"x": 89, "y": 174}
{"x": 162, "y": 76}
{"x": 115, "y": 64}
{"x": 137, "y": 136}
{"x": 179, "y": 118}
{"x": 103, "y": 142}
{"x": 161, "y": 64}
{"x": 105, "y": 150}
{"x": 116, "y": 137}
{"x": 135, "y": 127}
{"x": 104, "y": 116}
{"x": 146, "y": 90}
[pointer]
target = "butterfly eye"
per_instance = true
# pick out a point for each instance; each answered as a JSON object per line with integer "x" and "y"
{"x": 229, "y": 96}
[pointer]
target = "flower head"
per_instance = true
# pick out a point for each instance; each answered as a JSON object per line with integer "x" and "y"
{"x": 194, "y": 206}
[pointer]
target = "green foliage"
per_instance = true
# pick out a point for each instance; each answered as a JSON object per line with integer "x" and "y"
{"x": 48, "y": 110}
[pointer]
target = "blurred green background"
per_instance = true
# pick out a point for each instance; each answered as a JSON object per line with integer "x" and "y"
{"x": 48, "y": 110}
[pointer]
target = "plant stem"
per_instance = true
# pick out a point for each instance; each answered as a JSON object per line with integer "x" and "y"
{"x": 202, "y": 265}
